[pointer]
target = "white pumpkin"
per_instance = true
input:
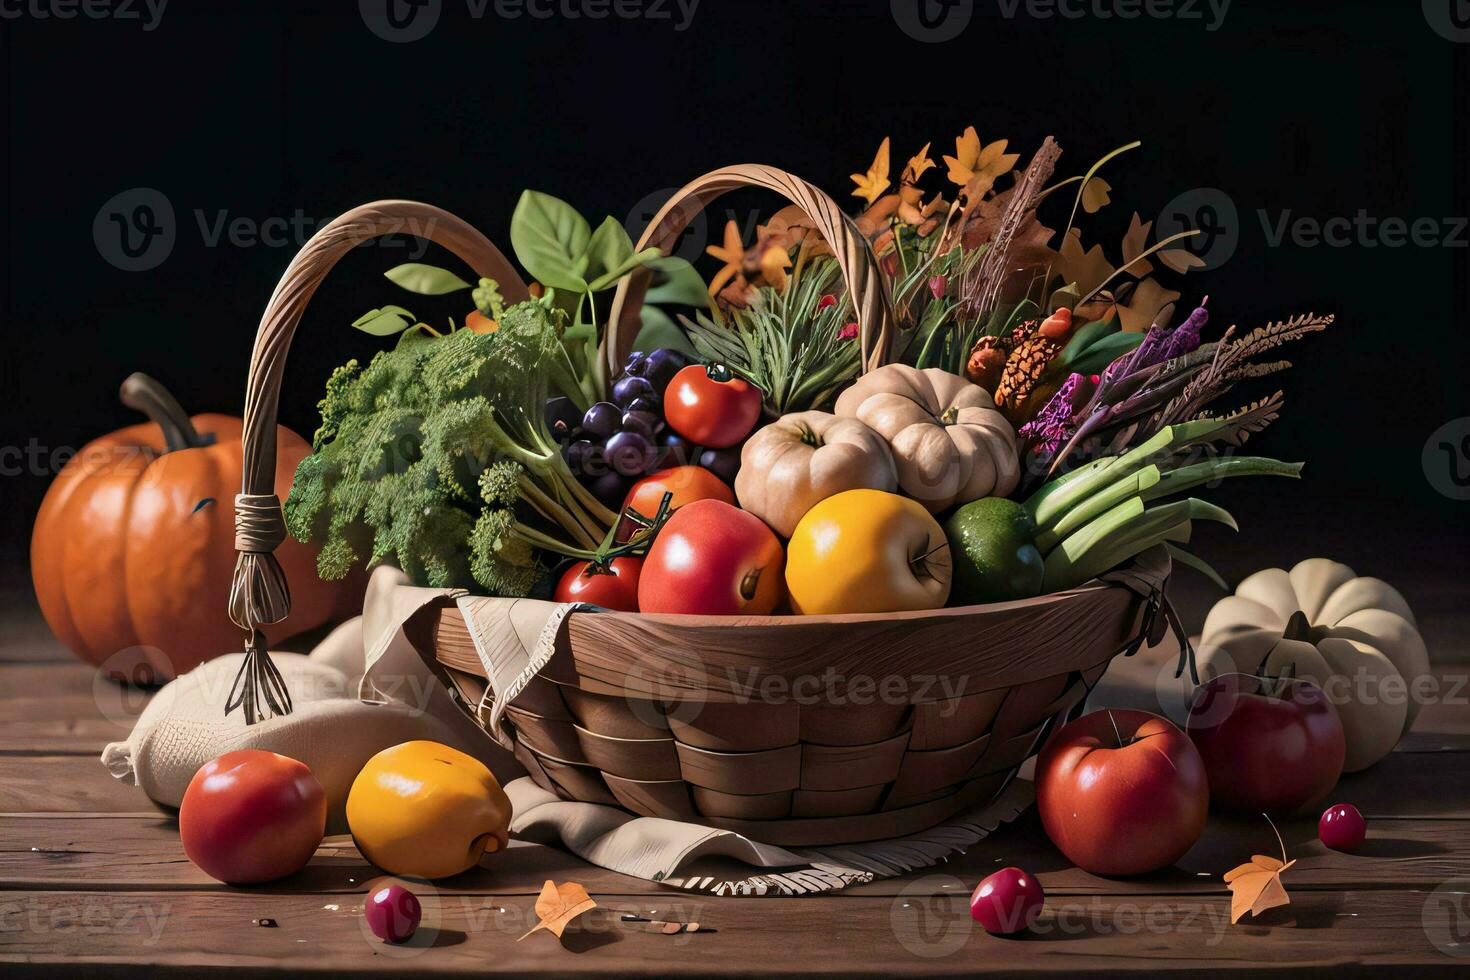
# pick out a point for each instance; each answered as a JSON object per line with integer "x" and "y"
{"x": 1355, "y": 638}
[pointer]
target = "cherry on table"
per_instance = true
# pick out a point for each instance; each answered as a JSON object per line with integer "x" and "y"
{"x": 393, "y": 913}
{"x": 1007, "y": 901}
{"x": 1342, "y": 827}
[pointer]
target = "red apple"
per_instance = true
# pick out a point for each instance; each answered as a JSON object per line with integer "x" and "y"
{"x": 1268, "y": 744}
{"x": 252, "y": 816}
{"x": 712, "y": 559}
{"x": 1122, "y": 792}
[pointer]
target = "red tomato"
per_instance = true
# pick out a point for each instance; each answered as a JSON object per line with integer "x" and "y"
{"x": 713, "y": 559}
{"x": 252, "y": 816}
{"x": 615, "y": 587}
{"x": 1122, "y": 800}
{"x": 710, "y": 406}
{"x": 686, "y": 483}
{"x": 1274, "y": 749}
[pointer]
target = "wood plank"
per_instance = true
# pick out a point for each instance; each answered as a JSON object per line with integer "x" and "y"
{"x": 64, "y": 783}
{"x": 143, "y": 853}
{"x": 177, "y": 934}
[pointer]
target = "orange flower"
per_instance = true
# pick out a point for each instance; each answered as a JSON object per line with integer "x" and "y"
{"x": 918, "y": 163}
{"x": 732, "y": 253}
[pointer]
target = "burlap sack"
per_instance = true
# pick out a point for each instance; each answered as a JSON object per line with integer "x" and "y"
{"x": 330, "y": 730}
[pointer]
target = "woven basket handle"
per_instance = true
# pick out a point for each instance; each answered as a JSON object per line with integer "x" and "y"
{"x": 259, "y": 594}
{"x": 865, "y": 281}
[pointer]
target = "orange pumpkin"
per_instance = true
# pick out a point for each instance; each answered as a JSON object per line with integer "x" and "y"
{"x": 133, "y": 548}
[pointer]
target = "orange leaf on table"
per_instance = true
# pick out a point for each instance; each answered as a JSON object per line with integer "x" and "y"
{"x": 1256, "y": 886}
{"x": 558, "y": 905}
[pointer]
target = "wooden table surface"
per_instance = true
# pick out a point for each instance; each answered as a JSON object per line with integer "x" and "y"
{"x": 93, "y": 882}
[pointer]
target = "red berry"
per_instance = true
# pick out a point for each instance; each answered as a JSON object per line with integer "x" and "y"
{"x": 1007, "y": 902}
{"x": 827, "y": 300}
{"x": 1342, "y": 827}
{"x": 393, "y": 913}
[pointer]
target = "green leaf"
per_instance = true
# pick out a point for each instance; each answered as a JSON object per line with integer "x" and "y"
{"x": 608, "y": 248}
{"x": 385, "y": 322}
{"x": 657, "y": 329}
{"x": 550, "y": 238}
{"x": 1084, "y": 338}
{"x": 632, "y": 262}
{"x": 681, "y": 283}
{"x": 1104, "y": 352}
{"x": 426, "y": 280}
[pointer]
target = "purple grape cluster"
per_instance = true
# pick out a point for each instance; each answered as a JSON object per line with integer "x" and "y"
{"x": 615, "y": 442}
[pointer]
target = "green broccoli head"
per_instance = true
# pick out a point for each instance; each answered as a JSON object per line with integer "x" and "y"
{"x": 422, "y": 457}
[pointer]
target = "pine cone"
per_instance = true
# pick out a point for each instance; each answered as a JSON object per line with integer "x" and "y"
{"x": 1023, "y": 372}
{"x": 987, "y": 361}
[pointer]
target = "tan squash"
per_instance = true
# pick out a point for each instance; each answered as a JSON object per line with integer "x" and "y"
{"x": 949, "y": 442}
{"x": 801, "y": 459}
{"x": 1353, "y": 637}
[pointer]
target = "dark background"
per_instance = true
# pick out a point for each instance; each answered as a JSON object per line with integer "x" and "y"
{"x": 257, "y": 110}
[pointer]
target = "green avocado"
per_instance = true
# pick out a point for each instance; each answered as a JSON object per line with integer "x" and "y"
{"x": 993, "y": 545}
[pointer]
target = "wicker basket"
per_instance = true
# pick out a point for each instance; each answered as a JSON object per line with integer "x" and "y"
{"x": 805, "y": 730}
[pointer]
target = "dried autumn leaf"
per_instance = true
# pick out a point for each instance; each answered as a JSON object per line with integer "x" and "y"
{"x": 978, "y": 164}
{"x": 918, "y": 163}
{"x": 1134, "y": 244}
{"x": 1095, "y": 195}
{"x": 558, "y": 905}
{"x": 873, "y": 183}
{"x": 1144, "y": 304}
{"x": 1256, "y": 886}
{"x": 1087, "y": 269}
{"x": 1181, "y": 260}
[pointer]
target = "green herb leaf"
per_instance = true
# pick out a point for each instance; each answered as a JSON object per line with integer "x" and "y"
{"x": 550, "y": 238}
{"x": 1104, "y": 352}
{"x": 385, "y": 322}
{"x": 426, "y": 280}
{"x": 680, "y": 283}
{"x": 608, "y": 248}
{"x": 657, "y": 329}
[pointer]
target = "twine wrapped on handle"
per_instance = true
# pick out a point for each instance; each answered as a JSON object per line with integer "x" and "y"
{"x": 259, "y": 593}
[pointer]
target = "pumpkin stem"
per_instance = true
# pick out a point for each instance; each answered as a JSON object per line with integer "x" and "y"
{"x": 950, "y": 416}
{"x": 1297, "y": 627}
{"x": 141, "y": 393}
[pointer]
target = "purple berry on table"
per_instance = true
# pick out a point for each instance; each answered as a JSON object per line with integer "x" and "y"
{"x": 646, "y": 404}
{"x": 393, "y": 913}
{"x": 644, "y": 423}
{"x": 662, "y": 365}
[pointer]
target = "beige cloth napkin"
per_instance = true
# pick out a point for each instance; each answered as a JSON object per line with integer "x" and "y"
{"x": 515, "y": 639}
